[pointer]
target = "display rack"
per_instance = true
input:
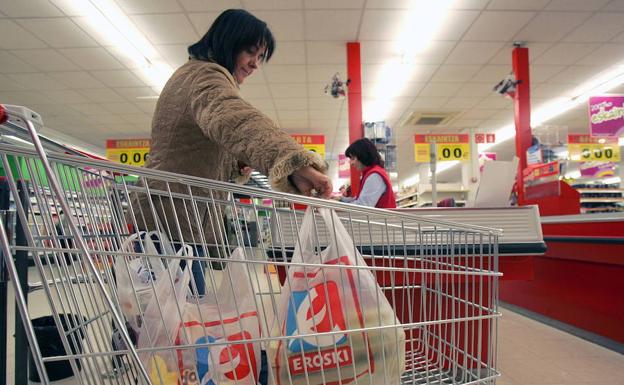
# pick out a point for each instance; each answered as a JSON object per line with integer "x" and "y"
{"x": 599, "y": 197}
{"x": 422, "y": 197}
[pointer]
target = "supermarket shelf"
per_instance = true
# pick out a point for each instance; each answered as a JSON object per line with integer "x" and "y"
{"x": 602, "y": 200}
{"x": 407, "y": 196}
{"x": 600, "y": 190}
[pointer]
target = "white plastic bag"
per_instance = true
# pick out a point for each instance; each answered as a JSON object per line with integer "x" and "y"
{"x": 335, "y": 298}
{"x": 215, "y": 323}
{"x": 134, "y": 275}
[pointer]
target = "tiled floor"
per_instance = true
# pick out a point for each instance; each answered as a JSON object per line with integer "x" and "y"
{"x": 533, "y": 353}
{"x": 529, "y": 353}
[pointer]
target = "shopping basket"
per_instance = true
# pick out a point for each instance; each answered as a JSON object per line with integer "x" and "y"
{"x": 440, "y": 278}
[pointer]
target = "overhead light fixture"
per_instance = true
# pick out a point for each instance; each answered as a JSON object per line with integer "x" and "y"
{"x": 110, "y": 23}
{"x": 416, "y": 31}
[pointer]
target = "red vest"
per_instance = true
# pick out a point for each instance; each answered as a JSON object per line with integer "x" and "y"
{"x": 387, "y": 199}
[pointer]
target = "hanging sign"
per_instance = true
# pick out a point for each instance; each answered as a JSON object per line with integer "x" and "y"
{"x": 597, "y": 169}
{"x": 584, "y": 148}
{"x": 606, "y": 115}
{"x": 344, "y": 168}
{"x": 133, "y": 152}
{"x": 314, "y": 143}
{"x": 448, "y": 147}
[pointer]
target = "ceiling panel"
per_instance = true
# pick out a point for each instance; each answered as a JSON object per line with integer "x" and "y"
{"x": 201, "y": 21}
{"x": 289, "y": 52}
{"x": 46, "y": 60}
{"x": 598, "y": 28}
{"x": 285, "y": 25}
{"x": 289, "y": 90}
{"x": 440, "y": 89}
{"x": 535, "y": 51}
{"x": 283, "y": 104}
{"x": 149, "y": 6}
{"x": 460, "y": 103}
{"x": 329, "y": 4}
{"x": 12, "y": 64}
{"x": 528, "y": 5}
{"x": 58, "y": 32}
{"x": 338, "y": 25}
{"x": 576, "y": 5}
{"x": 566, "y": 53}
{"x": 37, "y": 81}
{"x": 551, "y": 26}
{"x": 166, "y": 28}
{"x": 475, "y": 89}
{"x": 455, "y": 24}
{"x": 91, "y": 58}
{"x": 174, "y": 54}
{"x": 102, "y": 95}
{"x": 285, "y": 73}
{"x": 325, "y": 52}
{"x": 272, "y": 5}
{"x": 118, "y": 78}
{"x": 77, "y": 79}
{"x": 497, "y": 25}
{"x": 491, "y": 74}
{"x": 455, "y": 73}
{"x": 575, "y": 75}
{"x": 380, "y": 24}
{"x": 255, "y": 91}
{"x": 13, "y": 36}
{"x": 30, "y": 8}
{"x": 474, "y": 52}
{"x": 64, "y": 96}
{"x": 212, "y": 5}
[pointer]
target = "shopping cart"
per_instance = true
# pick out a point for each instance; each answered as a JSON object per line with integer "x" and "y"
{"x": 89, "y": 224}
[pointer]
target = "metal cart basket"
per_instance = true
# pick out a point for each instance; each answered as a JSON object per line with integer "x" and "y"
{"x": 110, "y": 243}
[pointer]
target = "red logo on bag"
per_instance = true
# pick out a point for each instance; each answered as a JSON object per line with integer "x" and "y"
{"x": 326, "y": 304}
{"x": 241, "y": 357}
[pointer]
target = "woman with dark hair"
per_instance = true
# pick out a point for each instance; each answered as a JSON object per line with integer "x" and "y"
{"x": 203, "y": 127}
{"x": 375, "y": 186}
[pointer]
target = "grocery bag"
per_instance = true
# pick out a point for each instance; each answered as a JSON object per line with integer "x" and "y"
{"x": 134, "y": 275}
{"x": 222, "y": 330}
{"x": 328, "y": 302}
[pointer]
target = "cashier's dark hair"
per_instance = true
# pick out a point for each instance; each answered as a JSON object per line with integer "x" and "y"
{"x": 365, "y": 151}
{"x": 233, "y": 31}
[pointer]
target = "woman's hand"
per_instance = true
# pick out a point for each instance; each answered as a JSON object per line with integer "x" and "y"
{"x": 308, "y": 178}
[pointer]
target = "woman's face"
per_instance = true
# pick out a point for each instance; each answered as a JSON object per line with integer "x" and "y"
{"x": 354, "y": 162}
{"x": 247, "y": 62}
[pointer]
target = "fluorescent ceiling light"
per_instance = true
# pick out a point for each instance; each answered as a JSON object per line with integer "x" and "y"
{"x": 417, "y": 29}
{"x": 111, "y": 25}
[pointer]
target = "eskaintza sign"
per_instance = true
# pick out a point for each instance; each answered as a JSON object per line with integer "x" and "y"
{"x": 606, "y": 115}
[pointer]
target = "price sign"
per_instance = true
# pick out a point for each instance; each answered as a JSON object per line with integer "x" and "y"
{"x": 133, "y": 152}
{"x": 448, "y": 147}
{"x": 583, "y": 148}
{"x": 314, "y": 143}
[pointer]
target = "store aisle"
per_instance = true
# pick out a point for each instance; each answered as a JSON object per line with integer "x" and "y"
{"x": 530, "y": 353}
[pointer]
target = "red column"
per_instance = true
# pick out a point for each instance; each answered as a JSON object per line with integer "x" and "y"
{"x": 522, "y": 112}
{"x": 356, "y": 131}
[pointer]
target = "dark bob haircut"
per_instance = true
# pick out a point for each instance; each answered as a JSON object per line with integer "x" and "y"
{"x": 365, "y": 151}
{"x": 232, "y": 32}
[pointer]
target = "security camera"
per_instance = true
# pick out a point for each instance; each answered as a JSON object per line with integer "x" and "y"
{"x": 507, "y": 86}
{"x": 337, "y": 86}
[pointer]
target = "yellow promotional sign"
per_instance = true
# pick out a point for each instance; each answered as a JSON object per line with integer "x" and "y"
{"x": 314, "y": 143}
{"x": 585, "y": 148}
{"x": 133, "y": 152}
{"x": 448, "y": 147}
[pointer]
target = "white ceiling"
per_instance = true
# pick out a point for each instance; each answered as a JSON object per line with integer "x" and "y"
{"x": 56, "y": 65}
